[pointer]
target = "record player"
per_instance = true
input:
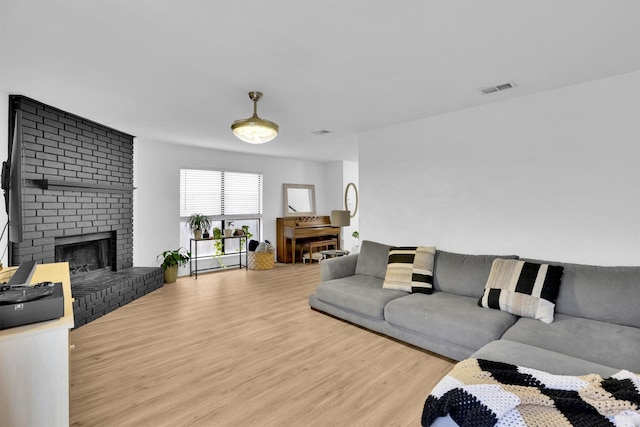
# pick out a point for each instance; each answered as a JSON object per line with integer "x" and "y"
{"x": 22, "y": 304}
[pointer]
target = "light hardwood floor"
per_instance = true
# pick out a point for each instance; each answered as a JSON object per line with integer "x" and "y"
{"x": 243, "y": 348}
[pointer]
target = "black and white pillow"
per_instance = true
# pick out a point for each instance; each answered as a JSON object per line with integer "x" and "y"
{"x": 523, "y": 288}
{"x": 410, "y": 269}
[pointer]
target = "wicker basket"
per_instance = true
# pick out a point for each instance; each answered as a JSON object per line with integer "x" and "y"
{"x": 260, "y": 260}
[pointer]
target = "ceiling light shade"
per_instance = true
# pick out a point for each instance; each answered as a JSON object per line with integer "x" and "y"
{"x": 255, "y": 130}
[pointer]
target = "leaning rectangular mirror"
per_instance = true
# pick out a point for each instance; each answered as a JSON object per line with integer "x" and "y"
{"x": 299, "y": 199}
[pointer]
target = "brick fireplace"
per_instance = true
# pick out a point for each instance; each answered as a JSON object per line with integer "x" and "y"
{"x": 77, "y": 194}
{"x": 77, "y": 180}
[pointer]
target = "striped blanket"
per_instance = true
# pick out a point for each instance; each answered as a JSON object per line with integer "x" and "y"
{"x": 484, "y": 393}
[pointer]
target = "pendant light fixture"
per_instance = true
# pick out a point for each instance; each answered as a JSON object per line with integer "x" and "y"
{"x": 255, "y": 130}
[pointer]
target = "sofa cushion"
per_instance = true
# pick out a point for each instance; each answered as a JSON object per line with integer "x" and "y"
{"x": 449, "y": 318}
{"x": 410, "y": 269}
{"x": 523, "y": 288}
{"x": 609, "y": 294}
{"x": 463, "y": 274}
{"x": 372, "y": 259}
{"x": 516, "y": 353}
{"x": 599, "y": 342}
{"x": 360, "y": 294}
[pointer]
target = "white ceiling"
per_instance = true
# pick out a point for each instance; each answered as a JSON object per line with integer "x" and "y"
{"x": 179, "y": 70}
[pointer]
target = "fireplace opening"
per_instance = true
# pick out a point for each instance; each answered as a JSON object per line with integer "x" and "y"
{"x": 88, "y": 252}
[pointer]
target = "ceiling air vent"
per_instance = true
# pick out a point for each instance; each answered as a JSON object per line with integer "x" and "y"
{"x": 497, "y": 88}
{"x": 320, "y": 132}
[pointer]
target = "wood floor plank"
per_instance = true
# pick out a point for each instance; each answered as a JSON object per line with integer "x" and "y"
{"x": 239, "y": 347}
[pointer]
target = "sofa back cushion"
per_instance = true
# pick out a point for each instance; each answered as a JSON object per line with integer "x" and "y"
{"x": 608, "y": 294}
{"x": 372, "y": 259}
{"x": 526, "y": 289}
{"x": 463, "y": 274}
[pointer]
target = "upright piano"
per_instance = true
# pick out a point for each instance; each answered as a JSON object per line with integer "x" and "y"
{"x": 294, "y": 231}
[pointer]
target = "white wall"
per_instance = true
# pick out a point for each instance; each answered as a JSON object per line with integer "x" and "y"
{"x": 350, "y": 175}
{"x": 553, "y": 175}
{"x": 157, "y": 176}
{"x": 338, "y": 175}
{"x": 333, "y": 193}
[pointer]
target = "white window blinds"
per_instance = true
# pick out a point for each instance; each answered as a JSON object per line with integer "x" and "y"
{"x": 220, "y": 194}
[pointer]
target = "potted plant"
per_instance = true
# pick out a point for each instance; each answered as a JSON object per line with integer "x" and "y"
{"x": 198, "y": 223}
{"x": 245, "y": 232}
{"x": 217, "y": 233}
{"x": 356, "y": 248}
{"x": 217, "y": 244}
{"x": 228, "y": 229}
{"x": 171, "y": 260}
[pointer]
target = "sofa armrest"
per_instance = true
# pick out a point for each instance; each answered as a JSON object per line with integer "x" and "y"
{"x": 335, "y": 268}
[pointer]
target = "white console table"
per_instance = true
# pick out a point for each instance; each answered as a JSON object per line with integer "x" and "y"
{"x": 34, "y": 362}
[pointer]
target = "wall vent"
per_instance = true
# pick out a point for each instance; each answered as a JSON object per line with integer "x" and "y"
{"x": 498, "y": 88}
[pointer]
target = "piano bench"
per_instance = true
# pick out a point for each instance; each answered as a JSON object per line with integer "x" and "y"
{"x": 316, "y": 244}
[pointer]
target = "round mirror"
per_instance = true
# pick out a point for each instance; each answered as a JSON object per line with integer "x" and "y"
{"x": 351, "y": 199}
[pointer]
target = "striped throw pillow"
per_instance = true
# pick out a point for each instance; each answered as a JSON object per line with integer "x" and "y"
{"x": 523, "y": 288}
{"x": 410, "y": 269}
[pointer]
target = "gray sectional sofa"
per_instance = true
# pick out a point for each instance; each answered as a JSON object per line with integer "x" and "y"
{"x": 596, "y": 327}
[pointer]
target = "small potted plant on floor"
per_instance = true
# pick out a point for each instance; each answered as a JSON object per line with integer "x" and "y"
{"x": 198, "y": 223}
{"x": 171, "y": 260}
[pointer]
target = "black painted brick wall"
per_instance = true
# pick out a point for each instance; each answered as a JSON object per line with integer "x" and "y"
{"x": 62, "y": 146}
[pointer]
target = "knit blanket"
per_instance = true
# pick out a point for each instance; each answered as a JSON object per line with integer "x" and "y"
{"x": 483, "y": 393}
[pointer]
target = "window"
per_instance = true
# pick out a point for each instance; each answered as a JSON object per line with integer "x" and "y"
{"x": 220, "y": 194}
{"x": 223, "y": 196}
